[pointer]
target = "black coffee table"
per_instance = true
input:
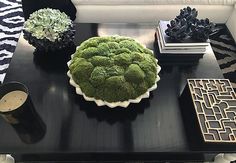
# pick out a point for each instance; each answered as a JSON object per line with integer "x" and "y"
{"x": 79, "y": 130}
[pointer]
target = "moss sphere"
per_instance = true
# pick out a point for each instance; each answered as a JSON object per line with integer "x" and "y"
{"x": 113, "y": 68}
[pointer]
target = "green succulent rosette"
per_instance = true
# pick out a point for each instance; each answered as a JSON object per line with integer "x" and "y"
{"x": 49, "y": 30}
{"x": 47, "y": 23}
{"x": 113, "y": 68}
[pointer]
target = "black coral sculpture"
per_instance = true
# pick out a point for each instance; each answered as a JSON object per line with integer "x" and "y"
{"x": 202, "y": 29}
{"x": 189, "y": 14}
{"x": 186, "y": 25}
{"x": 177, "y": 29}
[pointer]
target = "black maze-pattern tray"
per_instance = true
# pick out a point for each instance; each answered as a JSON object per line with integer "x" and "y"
{"x": 214, "y": 102}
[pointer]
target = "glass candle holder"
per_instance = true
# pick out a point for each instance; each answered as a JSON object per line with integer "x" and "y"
{"x": 17, "y": 109}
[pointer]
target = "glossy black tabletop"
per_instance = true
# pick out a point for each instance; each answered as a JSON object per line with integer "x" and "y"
{"x": 151, "y": 130}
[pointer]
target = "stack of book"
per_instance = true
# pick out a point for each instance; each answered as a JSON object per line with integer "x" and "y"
{"x": 187, "y": 49}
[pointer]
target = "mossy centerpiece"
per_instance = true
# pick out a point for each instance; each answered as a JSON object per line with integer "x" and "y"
{"x": 49, "y": 29}
{"x": 113, "y": 71}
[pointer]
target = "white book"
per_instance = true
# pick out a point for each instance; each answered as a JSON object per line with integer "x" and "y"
{"x": 179, "y": 50}
{"x": 186, "y": 42}
{"x": 178, "y": 47}
{"x": 183, "y": 50}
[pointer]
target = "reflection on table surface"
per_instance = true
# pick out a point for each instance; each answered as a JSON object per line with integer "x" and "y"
{"x": 75, "y": 125}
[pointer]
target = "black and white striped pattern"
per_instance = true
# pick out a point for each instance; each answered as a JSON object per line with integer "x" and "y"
{"x": 11, "y": 23}
{"x": 224, "y": 48}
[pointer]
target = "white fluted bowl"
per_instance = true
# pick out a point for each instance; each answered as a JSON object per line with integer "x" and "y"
{"x": 123, "y": 104}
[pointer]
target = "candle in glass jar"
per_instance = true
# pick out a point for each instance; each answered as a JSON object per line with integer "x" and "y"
{"x": 12, "y": 100}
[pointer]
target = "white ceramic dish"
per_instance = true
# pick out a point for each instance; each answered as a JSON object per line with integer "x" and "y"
{"x": 114, "y": 104}
{"x": 123, "y": 104}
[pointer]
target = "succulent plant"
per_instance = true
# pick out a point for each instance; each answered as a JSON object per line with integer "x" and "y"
{"x": 48, "y": 29}
{"x": 177, "y": 29}
{"x": 113, "y": 68}
{"x": 202, "y": 29}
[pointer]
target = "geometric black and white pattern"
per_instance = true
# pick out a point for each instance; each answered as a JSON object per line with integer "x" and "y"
{"x": 224, "y": 48}
{"x": 214, "y": 102}
{"x": 11, "y": 24}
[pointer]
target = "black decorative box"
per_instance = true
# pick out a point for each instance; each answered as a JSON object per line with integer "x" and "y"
{"x": 209, "y": 112}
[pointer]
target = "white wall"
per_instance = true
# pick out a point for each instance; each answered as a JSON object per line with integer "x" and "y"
{"x": 231, "y": 23}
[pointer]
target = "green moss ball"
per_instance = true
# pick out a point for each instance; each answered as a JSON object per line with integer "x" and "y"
{"x": 113, "y": 68}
